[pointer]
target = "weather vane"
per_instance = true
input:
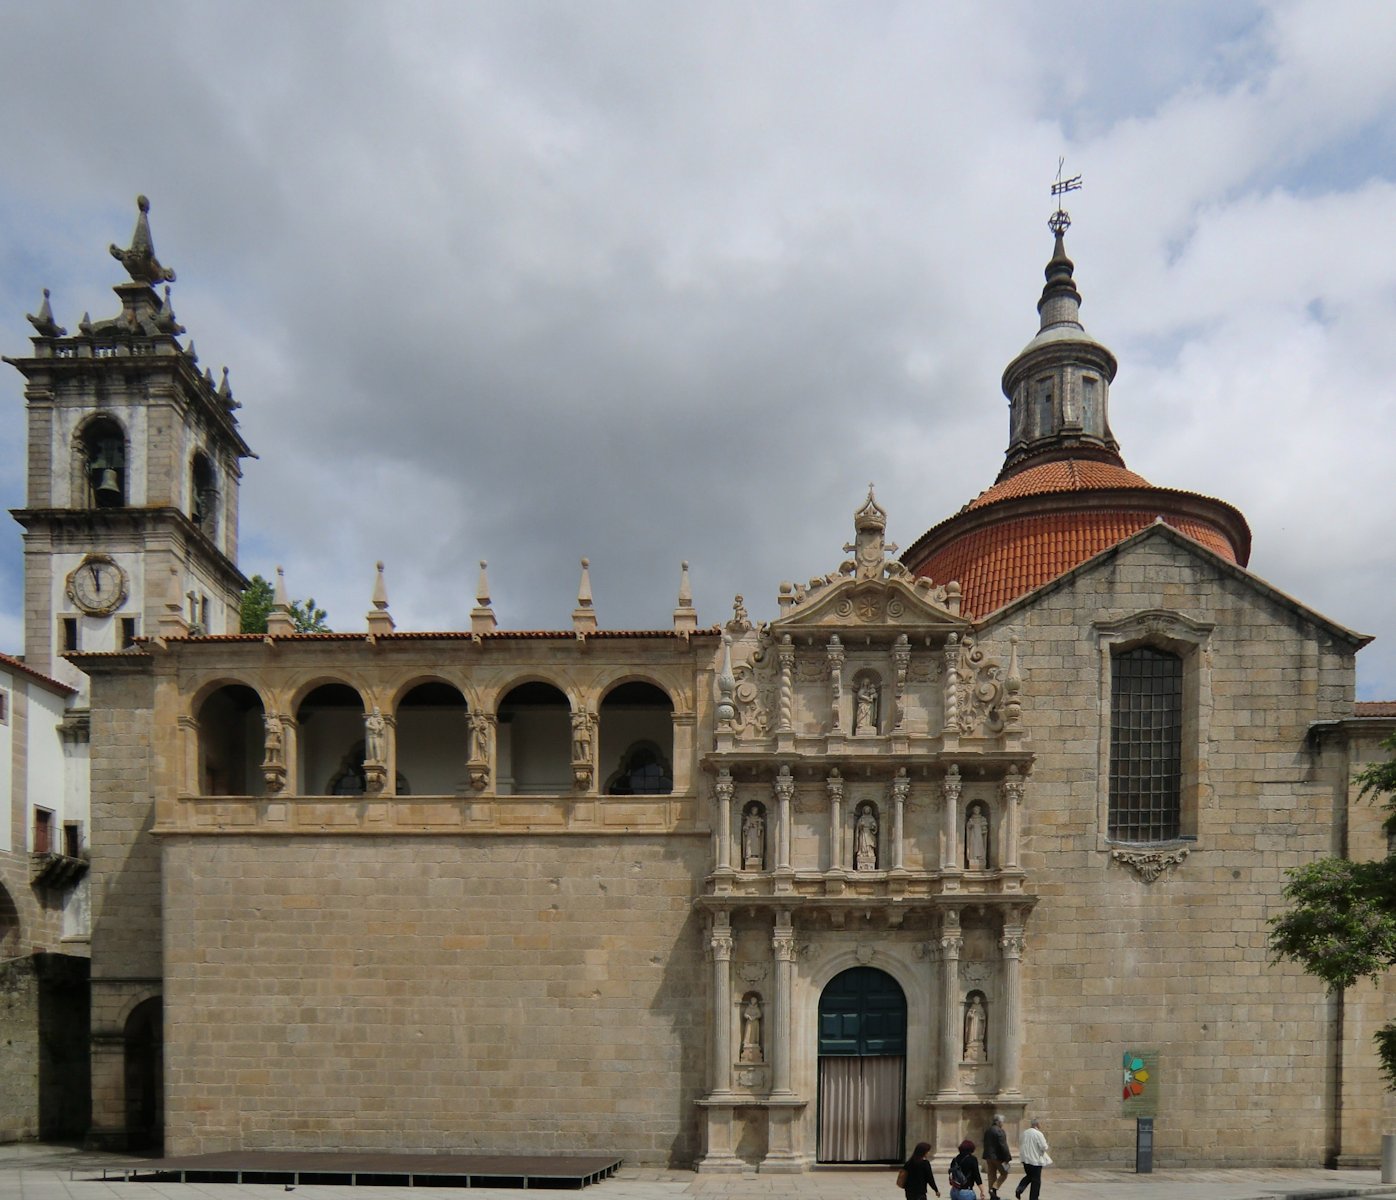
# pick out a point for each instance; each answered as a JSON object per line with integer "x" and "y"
{"x": 1060, "y": 221}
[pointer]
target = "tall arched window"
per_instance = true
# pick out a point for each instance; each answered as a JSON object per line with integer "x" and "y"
{"x": 231, "y": 740}
{"x": 1146, "y": 745}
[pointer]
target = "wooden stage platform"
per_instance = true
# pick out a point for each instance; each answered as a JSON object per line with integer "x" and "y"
{"x": 573, "y": 1171}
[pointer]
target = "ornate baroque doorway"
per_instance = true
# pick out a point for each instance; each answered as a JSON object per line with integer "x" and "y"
{"x": 862, "y": 1068}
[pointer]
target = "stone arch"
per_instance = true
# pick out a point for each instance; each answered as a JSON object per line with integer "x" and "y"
{"x": 534, "y": 748}
{"x": 636, "y": 738}
{"x": 861, "y": 1049}
{"x": 11, "y": 935}
{"x": 143, "y": 1069}
{"x": 432, "y": 737}
{"x": 330, "y": 739}
{"x": 232, "y": 741}
{"x": 101, "y": 457}
{"x": 203, "y": 492}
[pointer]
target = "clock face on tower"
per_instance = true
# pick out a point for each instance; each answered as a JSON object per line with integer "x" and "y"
{"x": 97, "y": 585}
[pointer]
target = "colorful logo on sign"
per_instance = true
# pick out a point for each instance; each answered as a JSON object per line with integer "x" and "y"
{"x": 1136, "y": 1076}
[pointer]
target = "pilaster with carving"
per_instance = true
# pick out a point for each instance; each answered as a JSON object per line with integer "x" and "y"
{"x": 1011, "y": 790}
{"x": 784, "y": 790}
{"x": 901, "y": 667}
{"x": 1010, "y": 1036}
{"x": 836, "y": 660}
{"x": 189, "y": 742}
{"x": 785, "y": 656}
{"x": 783, "y": 950}
{"x": 720, "y": 946}
{"x": 834, "y": 786}
{"x": 900, "y": 790}
{"x": 950, "y": 793}
{"x": 951, "y": 943}
{"x": 723, "y": 790}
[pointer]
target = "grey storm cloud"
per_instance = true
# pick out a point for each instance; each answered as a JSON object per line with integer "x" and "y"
{"x": 654, "y": 282}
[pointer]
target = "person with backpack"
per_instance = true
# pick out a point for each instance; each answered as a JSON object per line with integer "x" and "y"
{"x": 997, "y": 1156}
{"x": 964, "y": 1174}
{"x": 916, "y": 1175}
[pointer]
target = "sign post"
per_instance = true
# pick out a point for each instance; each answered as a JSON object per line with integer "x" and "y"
{"x": 1140, "y": 1101}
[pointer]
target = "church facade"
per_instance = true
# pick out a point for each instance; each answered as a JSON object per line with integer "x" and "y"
{"x": 972, "y": 830}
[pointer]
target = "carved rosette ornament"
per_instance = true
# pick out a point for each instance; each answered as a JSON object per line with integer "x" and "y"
{"x": 1150, "y": 864}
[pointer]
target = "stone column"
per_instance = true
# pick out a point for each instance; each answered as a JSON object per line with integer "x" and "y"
{"x": 1012, "y": 792}
{"x": 684, "y": 724}
{"x": 189, "y": 743}
{"x": 783, "y": 947}
{"x": 720, "y": 943}
{"x": 784, "y": 789}
{"x": 951, "y": 661}
{"x": 950, "y": 791}
{"x": 1010, "y": 1026}
{"x": 723, "y": 790}
{"x": 901, "y": 788}
{"x": 950, "y": 945}
{"x": 834, "y": 784}
{"x": 785, "y": 655}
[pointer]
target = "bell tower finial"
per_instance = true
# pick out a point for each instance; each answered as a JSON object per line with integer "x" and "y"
{"x": 139, "y": 260}
{"x": 1060, "y": 221}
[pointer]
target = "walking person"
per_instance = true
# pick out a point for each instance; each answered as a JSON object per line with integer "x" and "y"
{"x": 996, "y": 1155}
{"x": 1032, "y": 1149}
{"x": 965, "y": 1180}
{"x": 916, "y": 1176}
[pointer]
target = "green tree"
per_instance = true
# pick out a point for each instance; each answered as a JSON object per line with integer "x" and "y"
{"x": 257, "y": 601}
{"x": 1341, "y": 926}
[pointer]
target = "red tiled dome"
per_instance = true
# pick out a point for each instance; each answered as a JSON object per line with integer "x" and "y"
{"x": 1038, "y": 524}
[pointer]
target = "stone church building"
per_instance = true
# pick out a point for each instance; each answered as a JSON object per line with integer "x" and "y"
{"x": 932, "y": 837}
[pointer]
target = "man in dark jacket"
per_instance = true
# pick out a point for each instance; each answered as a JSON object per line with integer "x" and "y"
{"x": 996, "y": 1155}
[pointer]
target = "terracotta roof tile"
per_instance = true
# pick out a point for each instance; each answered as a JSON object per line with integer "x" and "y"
{"x": 16, "y": 664}
{"x": 1375, "y": 708}
{"x": 1000, "y": 562}
{"x": 1067, "y": 475}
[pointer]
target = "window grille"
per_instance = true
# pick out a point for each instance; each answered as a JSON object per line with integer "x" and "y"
{"x": 1146, "y": 745}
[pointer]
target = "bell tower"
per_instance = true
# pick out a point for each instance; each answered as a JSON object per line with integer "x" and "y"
{"x": 131, "y": 513}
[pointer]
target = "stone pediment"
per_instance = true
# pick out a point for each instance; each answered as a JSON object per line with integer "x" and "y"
{"x": 853, "y": 603}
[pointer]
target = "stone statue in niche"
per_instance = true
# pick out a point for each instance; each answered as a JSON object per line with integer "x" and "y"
{"x": 751, "y": 1030}
{"x": 977, "y": 838}
{"x": 753, "y": 838}
{"x": 865, "y": 706}
{"x": 275, "y": 740}
{"x": 375, "y": 737}
{"x": 865, "y": 839}
{"x": 976, "y": 1029}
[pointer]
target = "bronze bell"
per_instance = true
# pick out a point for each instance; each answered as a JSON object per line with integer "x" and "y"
{"x": 107, "y": 487}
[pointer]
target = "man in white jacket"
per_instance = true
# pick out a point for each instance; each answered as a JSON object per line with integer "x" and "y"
{"x": 1032, "y": 1152}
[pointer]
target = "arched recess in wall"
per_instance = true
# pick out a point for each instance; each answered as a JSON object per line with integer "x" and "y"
{"x": 637, "y": 741}
{"x": 100, "y": 475}
{"x": 203, "y": 493}
{"x": 231, "y": 742}
{"x": 144, "y": 1052}
{"x": 433, "y": 740}
{"x": 9, "y": 925}
{"x": 535, "y": 740}
{"x": 862, "y": 1068}
{"x": 330, "y": 741}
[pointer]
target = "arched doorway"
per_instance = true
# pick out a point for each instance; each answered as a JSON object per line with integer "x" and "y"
{"x": 145, "y": 1100}
{"x": 862, "y": 1068}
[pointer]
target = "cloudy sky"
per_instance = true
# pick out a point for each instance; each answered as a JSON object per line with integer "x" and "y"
{"x": 656, "y": 281}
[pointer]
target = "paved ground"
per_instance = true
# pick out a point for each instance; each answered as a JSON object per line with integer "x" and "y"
{"x": 29, "y": 1172}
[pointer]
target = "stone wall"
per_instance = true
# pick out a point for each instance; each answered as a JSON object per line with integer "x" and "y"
{"x": 1179, "y": 965}
{"x": 43, "y": 1047}
{"x": 497, "y": 994}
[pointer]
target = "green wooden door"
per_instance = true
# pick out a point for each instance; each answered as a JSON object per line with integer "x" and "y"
{"x": 862, "y": 1068}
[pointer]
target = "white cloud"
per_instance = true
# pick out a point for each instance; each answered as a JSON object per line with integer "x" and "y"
{"x": 522, "y": 282}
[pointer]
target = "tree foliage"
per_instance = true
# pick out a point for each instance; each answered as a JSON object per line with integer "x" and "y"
{"x": 257, "y": 602}
{"x": 1341, "y": 926}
